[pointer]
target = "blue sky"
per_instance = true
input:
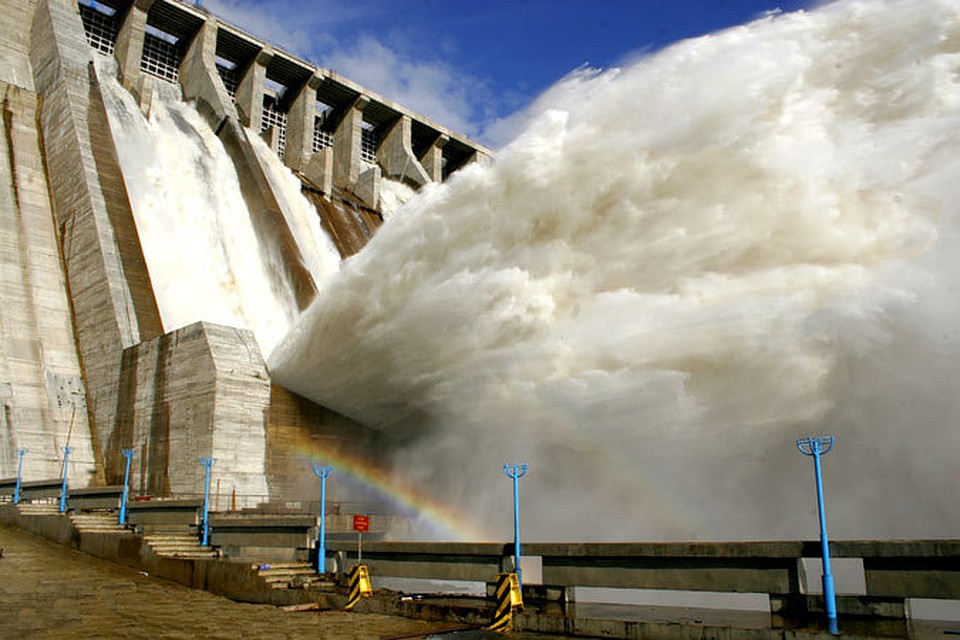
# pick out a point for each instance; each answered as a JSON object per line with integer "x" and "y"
{"x": 471, "y": 64}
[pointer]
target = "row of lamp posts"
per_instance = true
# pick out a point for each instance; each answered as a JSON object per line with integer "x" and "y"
{"x": 813, "y": 446}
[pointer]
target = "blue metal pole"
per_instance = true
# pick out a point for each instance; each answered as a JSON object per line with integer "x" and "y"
{"x": 207, "y": 462}
{"x": 516, "y": 471}
{"x": 128, "y": 454}
{"x": 63, "y": 489}
{"x": 815, "y": 447}
{"x": 323, "y": 473}
{"x": 16, "y": 491}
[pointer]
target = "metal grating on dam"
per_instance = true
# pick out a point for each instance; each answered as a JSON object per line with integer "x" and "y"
{"x": 100, "y": 28}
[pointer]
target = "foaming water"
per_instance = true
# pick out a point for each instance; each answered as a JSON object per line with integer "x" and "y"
{"x": 680, "y": 267}
{"x": 202, "y": 252}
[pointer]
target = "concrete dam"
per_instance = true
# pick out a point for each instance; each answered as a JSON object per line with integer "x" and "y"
{"x": 96, "y": 353}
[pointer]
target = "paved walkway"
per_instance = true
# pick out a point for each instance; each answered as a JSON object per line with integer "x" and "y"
{"x": 50, "y": 591}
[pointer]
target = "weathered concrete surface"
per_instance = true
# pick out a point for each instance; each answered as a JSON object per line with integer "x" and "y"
{"x": 112, "y": 301}
{"x": 15, "y": 43}
{"x": 201, "y": 390}
{"x": 84, "y": 498}
{"x": 128, "y": 48}
{"x": 200, "y": 80}
{"x": 32, "y": 489}
{"x": 300, "y": 124}
{"x": 745, "y": 567}
{"x": 299, "y": 432}
{"x": 396, "y": 157}
{"x": 347, "y": 145}
{"x": 350, "y": 226}
{"x": 249, "y": 96}
{"x": 264, "y": 537}
{"x": 164, "y": 512}
{"x": 42, "y": 396}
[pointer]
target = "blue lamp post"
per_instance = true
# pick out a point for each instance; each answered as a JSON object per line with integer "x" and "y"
{"x": 128, "y": 454}
{"x": 516, "y": 471}
{"x": 816, "y": 446}
{"x": 63, "y": 488}
{"x": 323, "y": 473}
{"x": 207, "y": 462}
{"x": 16, "y": 491}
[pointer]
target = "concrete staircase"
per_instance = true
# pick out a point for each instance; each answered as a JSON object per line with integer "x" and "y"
{"x": 39, "y": 508}
{"x": 291, "y": 575}
{"x": 178, "y": 542}
{"x": 98, "y": 522}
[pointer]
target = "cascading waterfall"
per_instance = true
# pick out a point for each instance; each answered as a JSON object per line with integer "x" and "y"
{"x": 680, "y": 267}
{"x": 203, "y": 255}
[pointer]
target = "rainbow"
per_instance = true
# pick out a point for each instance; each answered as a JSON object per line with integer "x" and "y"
{"x": 443, "y": 522}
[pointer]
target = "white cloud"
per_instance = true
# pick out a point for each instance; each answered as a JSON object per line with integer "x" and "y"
{"x": 280, "y": 28}
{"x": 435, "y": 89}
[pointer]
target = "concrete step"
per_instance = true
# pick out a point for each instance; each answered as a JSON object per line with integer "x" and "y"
{"x": 161, "y": 540}
{"x": 38, "y": 509}
{"x": 302, "y": 583}
{"x": 193, "y": 555}
{"x": 96, "y": 522}
{"x": 179, "y": 545}
{"x": 269, "y": 566}
{"x": 291, "y": 575}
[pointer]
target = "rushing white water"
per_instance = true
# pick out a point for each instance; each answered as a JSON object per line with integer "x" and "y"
{"x": 678, "y": 269}
{"x": 316, "y": 248}
{"x": 393, "y": 195}
{"x": 203, "y": 255}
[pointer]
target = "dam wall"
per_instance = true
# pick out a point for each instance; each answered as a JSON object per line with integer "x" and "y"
{"x": 111, "y": 296}
{"x": 201, "y": 390}
{"x": 85, "y": 358}
{"x": 41, "y": 385}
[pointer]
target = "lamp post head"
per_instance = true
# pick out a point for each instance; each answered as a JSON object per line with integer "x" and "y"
{"x": 815, "y": 445}
{"x": 515, "y": 470}
{"x": 322, "y": 471}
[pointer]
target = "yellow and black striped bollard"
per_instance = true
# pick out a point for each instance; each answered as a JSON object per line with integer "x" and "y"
{"x": 508, "y": 598}
{"x": 359, "y": 586}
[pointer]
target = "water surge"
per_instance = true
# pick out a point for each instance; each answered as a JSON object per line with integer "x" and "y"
{"x": 680, "y": 267}
{"x": 202, "y": 251}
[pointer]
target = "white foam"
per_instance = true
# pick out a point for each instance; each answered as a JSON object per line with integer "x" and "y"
{"x": 675, "y": 271}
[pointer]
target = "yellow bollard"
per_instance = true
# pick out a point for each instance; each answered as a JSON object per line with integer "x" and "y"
{"x": 359, "y": 586}
{"x": 508, "y": 597}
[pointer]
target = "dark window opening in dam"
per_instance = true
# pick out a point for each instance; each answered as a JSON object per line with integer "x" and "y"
{"x": 274, "y": 118}
{"x": 368, "y": 144}
{"x": 323, "y": 126}
{"x": 229, "y": 75}
{"x": 161, "y": 57}
{"x": 100, "y": 26}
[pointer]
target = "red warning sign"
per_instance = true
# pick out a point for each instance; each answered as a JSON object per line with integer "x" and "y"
{"x": 361, "y": 523}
